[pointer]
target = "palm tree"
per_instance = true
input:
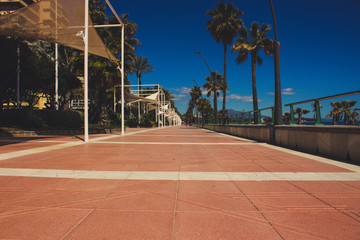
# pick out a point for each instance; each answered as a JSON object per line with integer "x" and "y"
{"x": 141, "y": 66}
{"x": 195, "y": 94}
{"x": 224, "y": 25}
{"x": 345, "y": 111}
{"x": 355, "y": 116}
{"x": 213, "y": 85}
{"x": 251, "y": 43}
{"x": 335, "y": 112}
{"x": 205, "y": 109}
{"x": 300, "y": 112}
{"x": 287, "y": 117}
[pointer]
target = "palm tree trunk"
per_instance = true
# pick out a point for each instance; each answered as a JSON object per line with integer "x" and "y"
{"x": 253, "y": 73}
{"x": 215, "y": 107}
{"x": 278, "y": 106}
{"x": 346, "y": 118}
{"x": 224, "y": 90}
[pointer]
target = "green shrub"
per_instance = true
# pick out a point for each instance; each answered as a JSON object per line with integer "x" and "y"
{"x": 145, "y": 120}
{"x": 132, "y": 122}
{"x": 61, "y": 119}
{"x": 40, "y": 119}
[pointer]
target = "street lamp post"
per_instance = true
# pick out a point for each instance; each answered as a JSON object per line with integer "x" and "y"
{"x": 204, "y": 62}
{"x": 278, "y": 107}
{"x": 216, "y": 119}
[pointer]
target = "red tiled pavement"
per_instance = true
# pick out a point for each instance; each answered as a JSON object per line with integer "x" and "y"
{"x": 70, "y": 208}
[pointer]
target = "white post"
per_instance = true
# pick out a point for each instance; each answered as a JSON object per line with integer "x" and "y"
{"x": 164, "y": 121}
{"x": 139, "y": 104}
{"x": 56, "y": 77}
{"x": 56, "y": 63}
{"x": 18, "y": 77}
{"x": 114, "y": 99}
{"x": 86, "y": 53}
{"x": 122, "y": 80}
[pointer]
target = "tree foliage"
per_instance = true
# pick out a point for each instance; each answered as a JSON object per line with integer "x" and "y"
{"x": 224, "y": 25}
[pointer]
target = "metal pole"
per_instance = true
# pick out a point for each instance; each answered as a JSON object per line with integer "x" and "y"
{"x": 317, "y": 110}
{"x": 114, "y": 99}
{"x": 204, "y": 62}
{"x": 139, "y": 104}
{"x": 18, "y": 77}
{"x": 122, "y": 80}
{"x": 292, "y": 119}
{"x": 278, "y": 105}
{"x": 86, "y": 69}
{"x": 56, "y": 63}
{"x": 157, "y": 106}
{"x": 163, "y": 114}
{"x": 56, "y": 77}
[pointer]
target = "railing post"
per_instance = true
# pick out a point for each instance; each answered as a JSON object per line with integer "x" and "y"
{"x": 318, "y": 115}
{"x": 292, "y": 119}
{"x": 259, "y": 117}
{"x": 242, "y": 118}
{"x": 250, "y": 122}
{"x": 272, "y": 116}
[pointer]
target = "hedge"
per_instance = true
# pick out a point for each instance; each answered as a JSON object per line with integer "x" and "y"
{"x": 40, "y": 119}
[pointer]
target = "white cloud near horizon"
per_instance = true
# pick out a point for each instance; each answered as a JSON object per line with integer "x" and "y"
{"x": 240, "y": 98}
{"x": 288, "y": 91}
{"x": 183, "y": 90}
{"x": 178, "y": 97}
{"x": 285, "y": 91}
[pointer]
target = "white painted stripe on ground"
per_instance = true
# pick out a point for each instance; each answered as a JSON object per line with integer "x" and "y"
{"x": 175, "y": 143}
{"x": 230, "y": 136}
{"x": 115, "y": 136}
{"x": 348, "y": 166}
{"x": 5, "y": 156}
{"x": 177, "y": 135}
{"x": 187, "y": 176}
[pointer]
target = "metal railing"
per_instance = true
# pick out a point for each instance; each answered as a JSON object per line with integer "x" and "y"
{"x": 316, "y": 102}
{"x": 245, "y": 117}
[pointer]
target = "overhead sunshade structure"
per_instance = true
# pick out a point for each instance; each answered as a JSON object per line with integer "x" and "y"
{"x": 132, "y": 98}
{"x": 65, "y": 22}
{"x": 151, "y": 107}
{"x": 56, "y": 21}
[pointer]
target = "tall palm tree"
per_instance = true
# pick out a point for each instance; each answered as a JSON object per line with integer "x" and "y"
{"x": 335, "y": 112}
{"x": 345, "y": 111}
{"x": 287, "y": 117}
{"x": 224, "y": 25}
{"x": 355, "y": 116}
{"x": 213, "y": 85}
{"x": 141, "y": 66}
{"x": 205, "y": 109}
{"x": 195, "y": 94}
{"x": 300, "y": 112}
{"x": 251, "y": 43}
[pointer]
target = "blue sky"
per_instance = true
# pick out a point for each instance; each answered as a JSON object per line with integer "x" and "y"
{"x": 320, "y": 48}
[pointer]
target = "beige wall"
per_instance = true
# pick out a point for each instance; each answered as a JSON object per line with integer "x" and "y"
{"x": 338, "y": 142}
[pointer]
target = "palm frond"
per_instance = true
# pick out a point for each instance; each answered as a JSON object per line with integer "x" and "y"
{"x": 242, "y": 56}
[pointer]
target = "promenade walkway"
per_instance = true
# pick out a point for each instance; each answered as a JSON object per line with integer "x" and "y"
{"x": 172, "y": 183}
